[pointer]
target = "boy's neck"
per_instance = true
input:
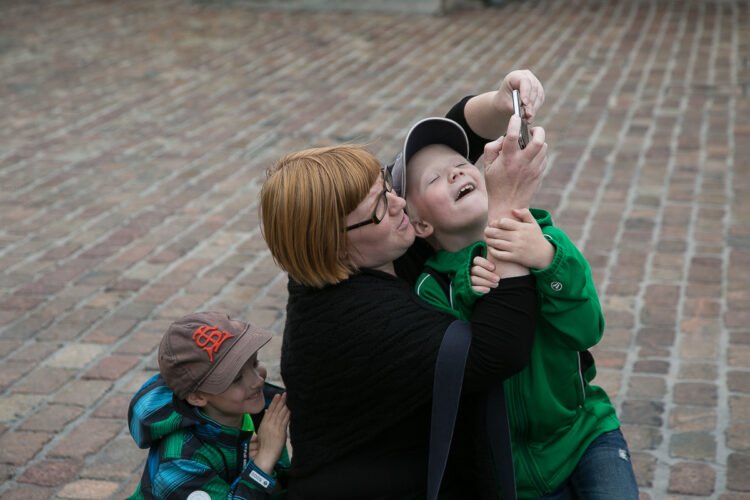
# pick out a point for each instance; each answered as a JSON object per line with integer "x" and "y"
{"x": 234, "y": 420}
{"x": 454, "y": 242}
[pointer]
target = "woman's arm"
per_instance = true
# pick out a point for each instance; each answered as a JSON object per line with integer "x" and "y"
{"x": 487, "y": 113}
{"x": 484, "y": 117}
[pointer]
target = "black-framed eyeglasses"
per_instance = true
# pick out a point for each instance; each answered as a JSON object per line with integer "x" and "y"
{"x": 381, "y": 207}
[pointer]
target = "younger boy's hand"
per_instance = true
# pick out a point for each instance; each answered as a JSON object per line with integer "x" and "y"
{"x": 252, "y": 450}
{"x": 530, "y": 91}
{"x": 519, "y": 241}
{"x": 482, "y": 275}
{"x": 272, "y": 434}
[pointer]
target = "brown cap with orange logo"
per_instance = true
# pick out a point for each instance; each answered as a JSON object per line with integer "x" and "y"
{"x": 204, "y": 351}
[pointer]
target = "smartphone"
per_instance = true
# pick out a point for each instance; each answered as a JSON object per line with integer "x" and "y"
{"x": 523, "y": 137}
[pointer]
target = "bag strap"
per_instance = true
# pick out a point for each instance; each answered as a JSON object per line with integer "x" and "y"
{"x": 498, "y": 431}
{"x": 446, "y": 392}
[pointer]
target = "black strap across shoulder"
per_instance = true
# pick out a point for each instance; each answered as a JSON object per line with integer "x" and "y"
{"x": 446, "y": 393}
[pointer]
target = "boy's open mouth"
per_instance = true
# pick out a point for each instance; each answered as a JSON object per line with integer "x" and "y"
{"x": 468, "y": 188}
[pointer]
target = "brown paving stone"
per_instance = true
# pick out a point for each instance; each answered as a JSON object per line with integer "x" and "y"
{"x": 13, "y": 371}
{"x": 7, "y": 346}
{"x": 28, "y": 493}
{"x": 89, "y": 489}
{"x": 18, "y": 405}
{"x": 82, "y": 392}
{"x": 608, "y": 358}
{"x": 653, "y": 336}
{"x": 155, "y": 294}
{"x": 691, "y": 479}
{"x": 695, "y": 393}
{"x": 693, "y": 445}
{"x": 739, "y": 356}
{"x": 87, "y": 438}
{"x": 140, "y": 344}
{"x": 704, "y": 308}
{"x": 737, "y": 477}
{"x": 7, "y": 471}
{"x": 642, "y": 387}
{"x": 51, "y": 473}
{"x": 644, "y": 465}
{"x": 117, "y": 460}
{"x": 658, "y": 315}
{"x": 45, "y": 380}
{"x": 700, "y": 371}
{"x": 17, "y": 447}
{"x": 131, "y": 484}
{"x": 738, "y": 436}
{"x": 692, "y": 418}
{"x": 740, "y": 337}
{"x": 116, "y": 406}
{"x": 642, "y": 437}
{"x": 642, "y": 412}
{"x": 738, "y": 381}
{"x": 51, "y": 418}
{"x": 37, "y": 351}
{"x": 112, "y": 367}
{"x": 650, "y": 366}
{"x": 739, "y": 408}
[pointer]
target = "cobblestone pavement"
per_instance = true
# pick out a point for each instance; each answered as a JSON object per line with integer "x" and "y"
{"x": 134, "y": 138}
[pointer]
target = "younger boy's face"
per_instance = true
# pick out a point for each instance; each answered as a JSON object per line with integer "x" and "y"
{"x": 446, "y": 190}
{"x": 245, "y": 395}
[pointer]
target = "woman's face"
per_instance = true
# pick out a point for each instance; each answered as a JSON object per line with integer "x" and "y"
{"x": 377, "y": 245}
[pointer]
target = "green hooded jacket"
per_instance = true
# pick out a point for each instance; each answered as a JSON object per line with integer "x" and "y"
{"x": 554, "y": 410}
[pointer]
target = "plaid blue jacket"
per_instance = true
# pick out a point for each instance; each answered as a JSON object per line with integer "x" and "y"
{"x": 189, "y": 452}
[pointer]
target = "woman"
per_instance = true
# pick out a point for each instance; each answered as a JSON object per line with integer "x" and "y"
{"x": 359, "y": 347}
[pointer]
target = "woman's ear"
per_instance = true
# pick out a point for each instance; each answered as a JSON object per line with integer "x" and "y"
{"x": 196, "y": 399}
{"x": 422, "y": 229}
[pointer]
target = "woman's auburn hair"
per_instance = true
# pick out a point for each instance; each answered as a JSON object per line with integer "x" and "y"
{"x": 304, "y": 203}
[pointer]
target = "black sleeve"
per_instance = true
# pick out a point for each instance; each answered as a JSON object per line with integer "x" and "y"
{"x": 502, "y": 324}
{"x": 476, "y": 142}
{"x": 410, "y": 265}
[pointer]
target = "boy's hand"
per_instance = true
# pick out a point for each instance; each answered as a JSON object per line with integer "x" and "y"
{"x": 272, "y": 434}
{"x": 482, "y": 275}
{"x": 520, "y": 241}
{"x": 530, "y": 91}
{"x": 252, "y": 450}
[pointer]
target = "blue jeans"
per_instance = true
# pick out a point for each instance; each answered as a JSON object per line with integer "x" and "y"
{"x": 603, "y": 473}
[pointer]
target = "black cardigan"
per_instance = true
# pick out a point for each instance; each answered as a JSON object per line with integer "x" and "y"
{"x": 358, "y": 360}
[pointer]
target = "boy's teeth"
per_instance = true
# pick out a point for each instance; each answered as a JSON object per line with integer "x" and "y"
{"x": 466, "y": 189}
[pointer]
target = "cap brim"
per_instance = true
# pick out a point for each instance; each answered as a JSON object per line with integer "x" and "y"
{"x": 433, "y": 130}
{"x": 226, "y": 371}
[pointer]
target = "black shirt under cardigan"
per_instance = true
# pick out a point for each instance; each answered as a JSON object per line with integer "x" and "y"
{"x": 358, "y": 361}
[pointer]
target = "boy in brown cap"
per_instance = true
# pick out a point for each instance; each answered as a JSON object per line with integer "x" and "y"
{"x": 199, "y": 414}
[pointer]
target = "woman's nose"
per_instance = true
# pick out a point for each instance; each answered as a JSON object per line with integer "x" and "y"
{"x": 395, "y": 201}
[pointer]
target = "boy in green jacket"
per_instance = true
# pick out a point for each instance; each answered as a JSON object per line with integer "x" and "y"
{"x": 565, "y": 435}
